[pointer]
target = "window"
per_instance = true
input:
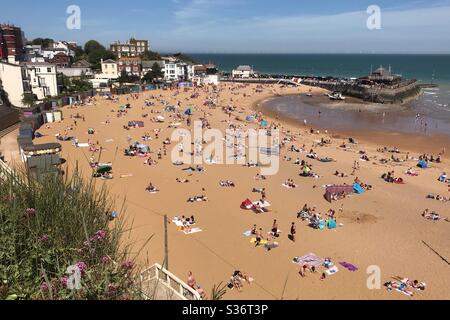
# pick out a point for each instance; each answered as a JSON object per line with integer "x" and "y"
{"x": 49, "y": 70}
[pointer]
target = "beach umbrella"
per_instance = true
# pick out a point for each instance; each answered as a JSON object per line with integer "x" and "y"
{"x": 104, "y": 169}
{"x": 188, "y": 112}
{"x": 264, "y": 124}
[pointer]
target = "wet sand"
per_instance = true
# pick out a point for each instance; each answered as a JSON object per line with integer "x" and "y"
{"x": 381, "y": 227}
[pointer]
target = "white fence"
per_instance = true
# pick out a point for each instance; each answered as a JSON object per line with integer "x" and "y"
{"x": 157, "y": 275}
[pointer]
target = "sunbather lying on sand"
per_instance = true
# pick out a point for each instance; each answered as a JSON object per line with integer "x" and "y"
{"x": 227, "y": 184}
{"x": 182, "y": 180}
{"x": 411, "y": 172}
{"x": 201, "y": 198}
{"x": 438, "y": 197}
{"x": 289, "y": 183}
{"x": 340, "y": 174}
{"x": 306, "y": 267}
{"x": 431, "y": 215}
{"x": 151, "y": 188}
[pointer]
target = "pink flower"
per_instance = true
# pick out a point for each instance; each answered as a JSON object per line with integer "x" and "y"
{"x": 63, "y": 281}
{"x": 82, "y": 267}
{"x": 44, "y": 238}
{"x": 106, "y": 259}
{"x": 30, "y": 212}
{"x": 100, "y": 235}
{"x": 44, "y": 286}
{"x": 128, "y": 265}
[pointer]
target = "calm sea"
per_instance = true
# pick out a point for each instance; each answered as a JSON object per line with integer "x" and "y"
{"x": 434, "y": 104}
{"x": 422, "y": 67}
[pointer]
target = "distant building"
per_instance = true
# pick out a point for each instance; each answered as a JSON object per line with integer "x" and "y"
{"x": 78, "y": 69}
{"x": 12, "y": 76}
{"x": 243, "y": 72}
{"x": 382, "y": 76}
{"x": 132, "y": 48}
{"x": 110, "y": 70}
{"x": 178, "y": 71}
{"x": 61, "y": 60}
{"x": 11, "y": 42}
{"x": 130, "y": 65}
{"x": 36, "y": 78}
{"x": 42, "y": 79}
{"x": 147, "y": 66}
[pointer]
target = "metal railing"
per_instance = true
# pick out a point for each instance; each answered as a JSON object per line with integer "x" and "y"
{"x": 156, "y": 275}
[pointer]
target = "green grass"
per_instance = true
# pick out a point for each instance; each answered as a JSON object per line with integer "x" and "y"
{"x": 66, "y": 224}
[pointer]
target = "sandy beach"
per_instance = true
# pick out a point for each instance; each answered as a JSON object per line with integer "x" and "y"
{"x": 382, "y": 227}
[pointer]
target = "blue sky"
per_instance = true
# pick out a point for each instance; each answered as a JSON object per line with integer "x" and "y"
{"x": 244, "y": 26}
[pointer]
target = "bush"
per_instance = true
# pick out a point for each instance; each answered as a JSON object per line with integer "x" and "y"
{"x": 49, "y": 225}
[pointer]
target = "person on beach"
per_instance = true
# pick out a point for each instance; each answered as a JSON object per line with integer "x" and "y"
{"x": 293, "y": 231}
{"x": 275, "y": 229}
{"x": 259, "y": 237}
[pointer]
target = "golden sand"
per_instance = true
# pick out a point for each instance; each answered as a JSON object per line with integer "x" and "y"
{"x": 382, "y": 227}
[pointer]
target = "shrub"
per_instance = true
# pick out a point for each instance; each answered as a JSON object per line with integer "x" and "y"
{"x": 49, "y": 225}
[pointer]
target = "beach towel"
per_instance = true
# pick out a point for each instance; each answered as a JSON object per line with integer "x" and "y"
{"x": 332, "y": 271}
{"x": 271, "y": 246}
{"x": 247, "y": 204}
{"x": 83, "y": 145}
{"x": 348, "y": 266}
{"x": 192, "y": 231}
{"x": 247, "y": 233}
{"x": 310, "y": 259}
{"x": 263, "y": 242}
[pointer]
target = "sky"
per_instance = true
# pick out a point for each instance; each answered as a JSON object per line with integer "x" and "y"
{"x": 243, "y": 26}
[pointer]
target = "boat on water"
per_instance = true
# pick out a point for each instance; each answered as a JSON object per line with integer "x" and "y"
{"x": 309, "y": 95}
{"x": 336, "y": 96}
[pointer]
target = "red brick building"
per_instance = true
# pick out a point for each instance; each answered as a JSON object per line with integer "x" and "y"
{"x": 131, "y": 65}
{"x": 11, "y": 41}
{"x": 61, "y": 60}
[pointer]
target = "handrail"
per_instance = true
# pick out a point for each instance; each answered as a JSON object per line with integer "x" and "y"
{"x": 170, "y": 281}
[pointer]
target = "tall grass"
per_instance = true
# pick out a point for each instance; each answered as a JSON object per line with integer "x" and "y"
{"x": 51, "y": 224}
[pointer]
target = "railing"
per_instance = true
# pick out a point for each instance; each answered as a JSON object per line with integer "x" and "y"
{"x": 8, "y": 130}
{"x": 158, "y": 275}
{"x": 6, "y": 170}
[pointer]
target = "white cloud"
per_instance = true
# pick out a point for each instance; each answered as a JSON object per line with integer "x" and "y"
{"x": 403, "y": 30}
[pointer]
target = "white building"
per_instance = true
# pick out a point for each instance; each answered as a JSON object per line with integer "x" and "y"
{"x": 77, "y": 70}
{"x": 178, "y": 71}
{"x": 212, "y": 79}
{"x": 42, "y": 78}
{"x": 110, "y": 70}
{"x": 28, "y": 77}
{"x": 243, "y": 72}
{"x": 64, "y": 46}
{"x": 11, "y": 77}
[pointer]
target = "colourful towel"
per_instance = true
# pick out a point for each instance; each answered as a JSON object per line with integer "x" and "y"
{"x": 348, "y": 266}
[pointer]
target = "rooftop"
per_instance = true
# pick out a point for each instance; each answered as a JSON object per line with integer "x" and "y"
{"x": 244, "y": 68}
